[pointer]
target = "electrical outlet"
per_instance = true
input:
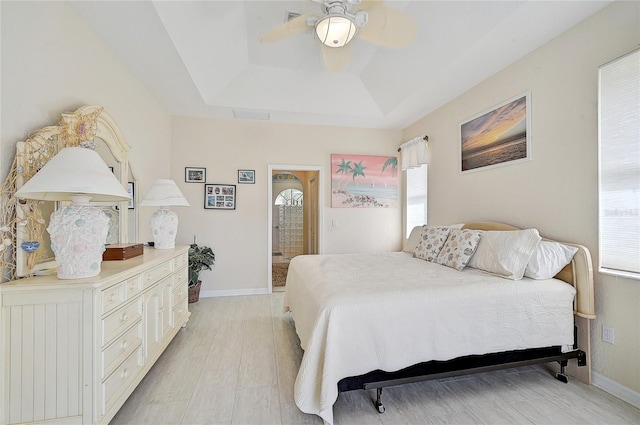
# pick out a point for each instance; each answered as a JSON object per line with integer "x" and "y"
{"x": 608, "y": 334}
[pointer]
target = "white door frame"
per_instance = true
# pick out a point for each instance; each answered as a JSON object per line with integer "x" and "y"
{"x": 291, "y": 168}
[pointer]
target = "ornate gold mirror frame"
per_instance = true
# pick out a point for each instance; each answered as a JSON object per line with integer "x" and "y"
{"x": 24, "y": 243}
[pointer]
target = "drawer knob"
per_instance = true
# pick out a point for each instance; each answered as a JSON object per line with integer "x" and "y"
{"x": 124, "y": 317}
{"x": 112, "y": 298}
{"x": 124, "y": 374}
{"x": 124, "y": 345}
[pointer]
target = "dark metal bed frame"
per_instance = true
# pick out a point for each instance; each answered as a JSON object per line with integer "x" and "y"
{"x": 379, "y": 379}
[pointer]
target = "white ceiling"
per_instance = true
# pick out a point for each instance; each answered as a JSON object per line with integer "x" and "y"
{"x": 204, "y": 58}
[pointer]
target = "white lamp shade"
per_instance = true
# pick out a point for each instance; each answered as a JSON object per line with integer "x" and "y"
{"x": 164, "y": 193}
{"x": 335, "y": 30}
{"x": 74, "y": 171}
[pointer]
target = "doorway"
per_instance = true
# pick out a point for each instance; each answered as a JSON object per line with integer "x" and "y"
{"x": 294, "y": 218}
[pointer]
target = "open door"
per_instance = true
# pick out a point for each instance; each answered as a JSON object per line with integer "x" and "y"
{"x": 294, "y": 219}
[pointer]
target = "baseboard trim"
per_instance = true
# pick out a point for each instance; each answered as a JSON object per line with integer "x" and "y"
{"x": 612, "y": 387}
{"x": 233, "y": 292}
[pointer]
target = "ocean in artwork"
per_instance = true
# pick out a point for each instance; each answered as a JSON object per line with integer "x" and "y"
{"x": 364, "y": 181}
{"x": 495, "y": 137}
{"x": 509, "y": 151}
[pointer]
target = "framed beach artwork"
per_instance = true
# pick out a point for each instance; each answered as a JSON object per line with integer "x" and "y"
{"x": 497, "y": 137}
{"x": 364, "y": 181}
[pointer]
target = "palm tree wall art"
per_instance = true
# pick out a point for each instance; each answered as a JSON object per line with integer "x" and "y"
{"x": 364, "y": 181}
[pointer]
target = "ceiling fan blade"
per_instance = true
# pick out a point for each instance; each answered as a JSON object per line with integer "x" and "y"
{"x": 286, "y": 30}
{"x": 369, "y": 4}
{"x": 335, "y": 59}
{"x": 388, "y": 27}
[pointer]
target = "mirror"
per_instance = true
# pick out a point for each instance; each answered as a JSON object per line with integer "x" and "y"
{"x": 32, "y": 217}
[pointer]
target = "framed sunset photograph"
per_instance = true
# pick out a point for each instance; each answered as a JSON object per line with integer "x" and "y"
{"x": 496, "y": 137}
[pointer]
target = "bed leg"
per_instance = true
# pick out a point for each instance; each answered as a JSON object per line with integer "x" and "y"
{"x": 378, "y": 403}
{"x": 562, "y": 376}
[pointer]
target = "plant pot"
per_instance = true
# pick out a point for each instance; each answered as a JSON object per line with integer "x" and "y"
{"x": 194, "y": 292}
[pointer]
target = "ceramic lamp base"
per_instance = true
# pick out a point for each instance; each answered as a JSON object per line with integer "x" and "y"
{"x": 78, "y": 234}
{"x": 164, "y": 226}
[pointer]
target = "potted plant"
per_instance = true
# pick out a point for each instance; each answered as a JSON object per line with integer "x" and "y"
{"x": 200, "y": 258}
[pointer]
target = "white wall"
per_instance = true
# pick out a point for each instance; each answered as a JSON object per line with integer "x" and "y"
{"x": 239, "y": 238}
{"x": 53, "y": 63}
{"x": 557, "y": 191}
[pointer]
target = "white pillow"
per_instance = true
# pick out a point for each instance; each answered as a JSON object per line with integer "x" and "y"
{"x": 414, "y": 238}
{"x": 505, "y": 253}
{"x": 548, "y": 259}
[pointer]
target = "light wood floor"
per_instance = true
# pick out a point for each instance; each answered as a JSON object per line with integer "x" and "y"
{"x": 236, "y": 362}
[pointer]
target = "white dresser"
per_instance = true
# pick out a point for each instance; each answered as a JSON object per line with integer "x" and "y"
{"x": 72, "y": 351}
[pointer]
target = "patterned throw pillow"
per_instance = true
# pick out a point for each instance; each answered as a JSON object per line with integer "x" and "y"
{"x": 432, "y": 239}
{"x": 460, "y": 246}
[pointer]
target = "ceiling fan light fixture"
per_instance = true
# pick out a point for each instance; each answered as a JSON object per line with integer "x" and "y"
{"x": 335, "y": 30}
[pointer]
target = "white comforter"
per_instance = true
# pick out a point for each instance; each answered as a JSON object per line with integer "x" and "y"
{"x": 355, "y": 313}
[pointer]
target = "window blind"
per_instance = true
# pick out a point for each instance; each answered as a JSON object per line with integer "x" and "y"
{"x": 619, "y": 165}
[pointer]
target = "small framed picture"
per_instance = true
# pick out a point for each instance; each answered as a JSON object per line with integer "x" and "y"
{"x": 246, "y": 176}
{"x": 220, "y": 196}
{"x": 195, "y": 174}
{"x": 131, "y": 191}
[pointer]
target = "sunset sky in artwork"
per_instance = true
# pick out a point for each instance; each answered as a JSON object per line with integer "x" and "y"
{"x": 494, "y": 126}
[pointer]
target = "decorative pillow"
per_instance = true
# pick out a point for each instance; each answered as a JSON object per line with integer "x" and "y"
{"x": 548, "y": 259}
{"x": 505, "y": 253}
{"x": 432, "y": 239}
{"x": 460, "y": 246}
{"x": 412, "y": 241}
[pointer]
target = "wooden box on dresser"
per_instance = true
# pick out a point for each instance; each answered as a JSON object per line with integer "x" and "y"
{"x": 72, "y": 351}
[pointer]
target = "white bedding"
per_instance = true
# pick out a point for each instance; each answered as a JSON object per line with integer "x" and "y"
{"x": 355, "y": 313}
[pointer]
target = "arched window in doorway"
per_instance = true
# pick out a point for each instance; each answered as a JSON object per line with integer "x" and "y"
{"x": 289, "y": 197}
{"x": 290, "y": 218}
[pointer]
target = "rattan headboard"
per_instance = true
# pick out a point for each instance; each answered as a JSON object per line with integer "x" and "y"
{"x": 578, "y": 273}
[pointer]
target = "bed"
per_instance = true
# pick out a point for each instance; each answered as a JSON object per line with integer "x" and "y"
{"x": 372, "y": 320}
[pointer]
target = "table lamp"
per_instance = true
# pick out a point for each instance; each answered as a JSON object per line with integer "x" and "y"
{"x": 79, "y": 230}
{"x": 164, "y": 223}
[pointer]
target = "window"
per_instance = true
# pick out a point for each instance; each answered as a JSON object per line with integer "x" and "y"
{"x": 416, "y": 198}
{"x": 289, "y": 197}
{"x": 619, "y": 166}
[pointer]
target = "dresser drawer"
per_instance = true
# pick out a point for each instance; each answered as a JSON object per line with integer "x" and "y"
{"x": 133, "y": 287}
{"x": 157, "y": 273}
{"x": 180, "y": 291}
{"x": 180, "y": 279}
{"x": 113, "y": 297}
{"x": 180, "y": 312}
{"x": 181, "y": 260}
{"x": 119, "y": 320}
{"x": 120, "y": 349}
{"x": 120, "y": 379}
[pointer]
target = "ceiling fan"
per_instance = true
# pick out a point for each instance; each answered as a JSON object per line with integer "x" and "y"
{"x": 343, "y": 20}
